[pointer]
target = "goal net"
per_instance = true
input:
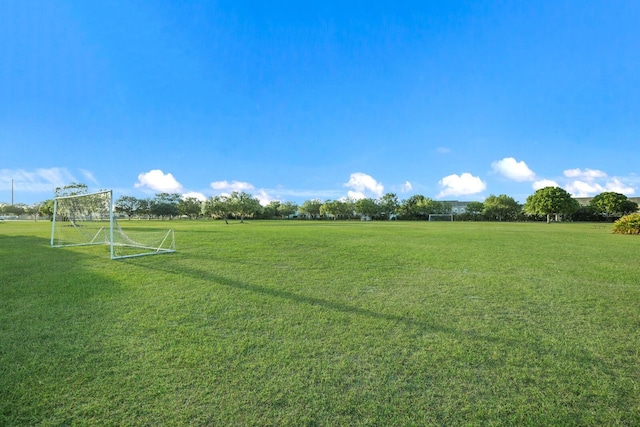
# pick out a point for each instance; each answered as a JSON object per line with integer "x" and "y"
{"x": 87, "y": 219}
{"x": 440, "y": 217}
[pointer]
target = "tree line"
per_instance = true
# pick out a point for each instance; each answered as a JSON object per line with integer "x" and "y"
{"x": 549, "y": 203}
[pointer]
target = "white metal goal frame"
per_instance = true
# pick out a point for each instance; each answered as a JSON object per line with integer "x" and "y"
{"x": 113, "y": 236}
{"x": 441, "y": 217}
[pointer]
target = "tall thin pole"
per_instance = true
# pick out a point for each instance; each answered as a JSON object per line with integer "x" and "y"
{"x": 53, "y": 221}
{"x": 111, "y": 221}
{"x": 11, "y": 192}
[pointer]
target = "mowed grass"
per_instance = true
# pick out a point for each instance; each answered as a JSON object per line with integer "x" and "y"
{"x": 324, "y": 323}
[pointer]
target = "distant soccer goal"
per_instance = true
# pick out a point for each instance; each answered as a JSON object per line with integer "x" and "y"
{"x": 440, "y": 217}
{"x": 87, "y": 219}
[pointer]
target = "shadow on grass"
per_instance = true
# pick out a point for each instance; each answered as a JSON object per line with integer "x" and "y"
{"x": 172, "y": 266}
{"x": 54, "y": 332}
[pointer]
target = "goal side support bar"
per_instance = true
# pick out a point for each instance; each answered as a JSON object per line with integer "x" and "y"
{"x": 152, "y": 250}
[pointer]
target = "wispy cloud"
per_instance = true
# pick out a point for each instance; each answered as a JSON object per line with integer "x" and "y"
{"x": 36, "y": 181}
{"x": 158, "y": 181}
{"x": 406, "y": 187}
{"x": 281, "y": 193}
{"x": 89, "y": 176}
{"x": 225, "y": 186}
{"x": 461, "y": 185}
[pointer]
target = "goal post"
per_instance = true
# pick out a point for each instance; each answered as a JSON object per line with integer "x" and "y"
{"x": 441, "y": 217}
{"x": 88, "y": 219}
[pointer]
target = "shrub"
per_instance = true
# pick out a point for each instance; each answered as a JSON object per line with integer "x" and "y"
{"x": 628, "y": 224}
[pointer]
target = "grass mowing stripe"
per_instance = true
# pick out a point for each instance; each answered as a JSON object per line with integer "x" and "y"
{"x": 310, "y": 323}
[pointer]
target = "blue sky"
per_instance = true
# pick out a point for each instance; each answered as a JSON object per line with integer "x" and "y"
{"x": 297, "y": 100}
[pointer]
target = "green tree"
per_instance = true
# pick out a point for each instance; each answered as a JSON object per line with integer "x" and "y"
{"x": 311, "y": 208}
{"x": 72, "y": 189}
{"x": 287, "y": 209}
{"x": 419, "y": 207}
{"x": 46, "y": 208}
{"x": 330, "y": 208}
{"x": 389, "y": 205}
{"x": 611, "y": 204}
{"x": 272, "y": 209}
{"x": 32, "y": 210}
{"x": 165, "y": 205}
{"x": 337, "y": 208}
{"x": 127, "y": 205}
{"x": 217, "y": 207}
{"x": 444, "y": 208}
{"x": 16, "y": 210}
{"x": 347, "y": 208}
{"x": 243, "y": 205}
{"x": 629, "y": 207}
{"x": 144, "y": 208}
{"x": 501, "y": 208}
{"x": 190, "y": 206}
{"x": 413, "y": 207}
{"x": 368, "y": 208}
{"x": 474, "y": 210}
{"x": 551, "y": 201}
{"x": 73, "y": 207}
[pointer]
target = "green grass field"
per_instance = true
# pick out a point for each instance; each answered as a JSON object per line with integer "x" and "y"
{"x": 324, "y": 323}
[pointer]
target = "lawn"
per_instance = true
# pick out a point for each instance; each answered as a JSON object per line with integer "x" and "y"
{"x": 324, "y": 323}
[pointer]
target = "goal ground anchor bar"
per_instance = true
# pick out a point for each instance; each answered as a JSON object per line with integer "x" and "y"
{"x": 163, "y": 251}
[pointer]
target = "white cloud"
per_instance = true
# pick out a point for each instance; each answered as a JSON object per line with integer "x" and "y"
{"x": 590, "y": 182}
{"x": 225, "y": 188}
{"x": 158, "y": 181}
{"x": 586, "y": 175}
{"x": 617, "y": 186}
{"x": 361, "y": 183}
{"x": 264, "y": 197}
{"x": 38, "y": 181}
{"x": 194, "y": 195}
{"x": 443, "y": 150}
{"x": 583, "y": 189}
{"x": 544, "y": 183}
{"x": 231, "y": 186}
{"x": 356, "y": 195}
{"x": 406, "y": 187}
{"x": 465, "y": 184}
{"x": 512, "y": 169}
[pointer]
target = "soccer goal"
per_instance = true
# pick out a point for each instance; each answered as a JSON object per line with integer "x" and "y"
{"x": 440, "y": 217}
{"x": 87, "y": 219}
